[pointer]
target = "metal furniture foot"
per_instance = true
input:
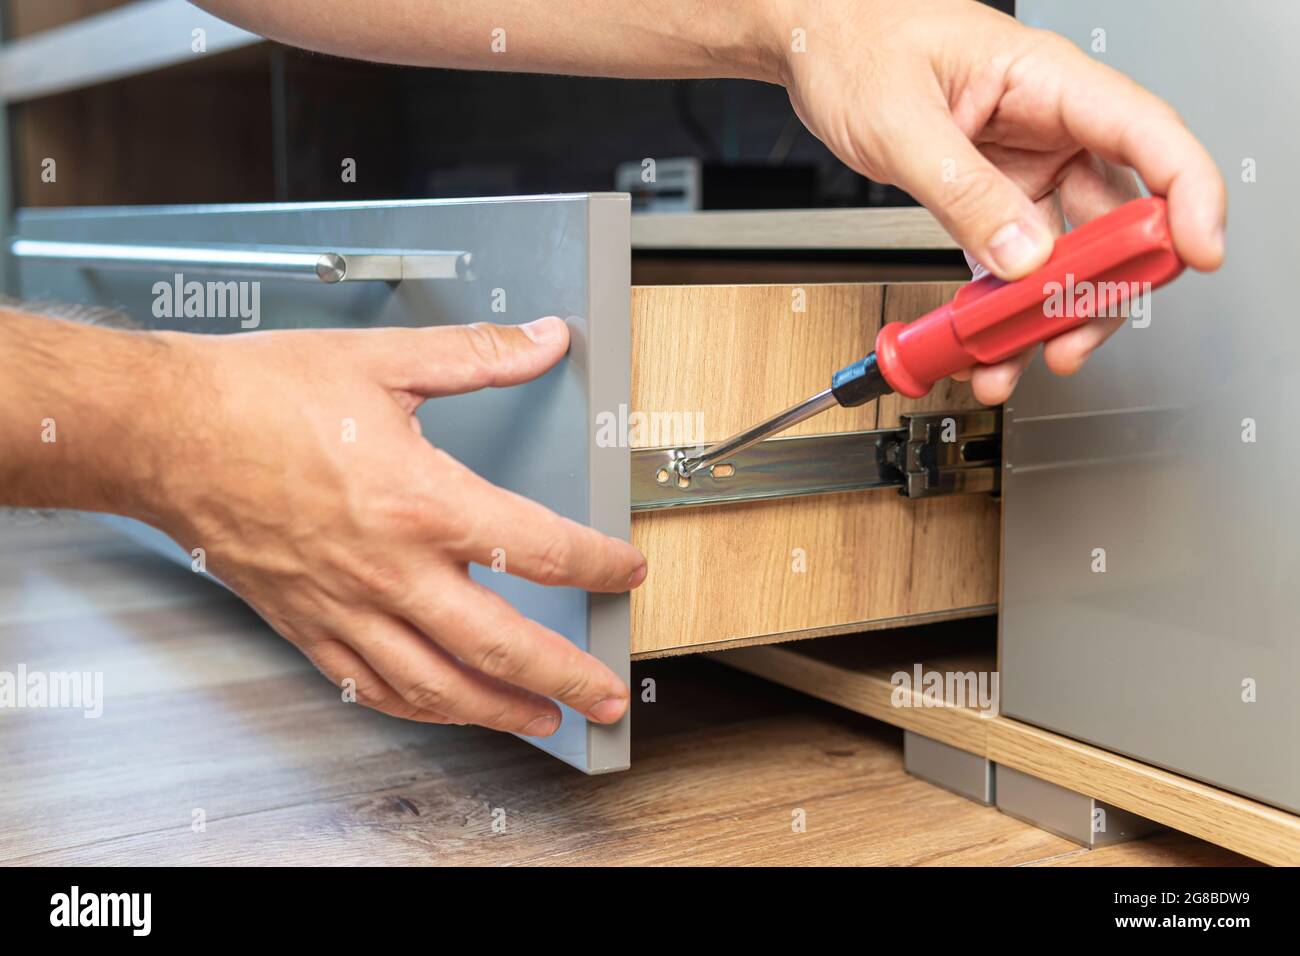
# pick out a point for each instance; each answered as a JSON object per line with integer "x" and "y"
{"x": 967, "y": 774}
{"x": 1085, "y": 820}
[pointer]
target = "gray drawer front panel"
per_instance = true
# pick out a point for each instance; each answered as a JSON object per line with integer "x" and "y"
{"x": 1141, "y": 454}
{"x": 549, "y": 255}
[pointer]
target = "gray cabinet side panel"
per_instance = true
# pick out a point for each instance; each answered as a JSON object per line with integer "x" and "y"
{"x": 1141, "y": 455}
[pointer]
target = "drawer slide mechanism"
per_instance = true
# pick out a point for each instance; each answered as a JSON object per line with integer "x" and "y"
{"x": 931, "y": 454}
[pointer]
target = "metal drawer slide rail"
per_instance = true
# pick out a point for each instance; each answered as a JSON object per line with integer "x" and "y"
{"x": 939, "y": 453}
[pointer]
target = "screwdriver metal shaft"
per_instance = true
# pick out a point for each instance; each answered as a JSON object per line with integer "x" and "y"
{"x": 752, "y": 436}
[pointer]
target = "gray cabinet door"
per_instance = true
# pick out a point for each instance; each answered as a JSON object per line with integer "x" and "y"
{"x": 1185, "y": 651}
{"x": 543, "y": 255}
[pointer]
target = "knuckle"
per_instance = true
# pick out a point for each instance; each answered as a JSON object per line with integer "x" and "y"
{"x": 975, "y": 190}
{"x": 439, "y": 620}
{"x": 371, "y": 694}
{"x": 498, "y": 657}
{"x": 420, "y": 511}
{"x": 576, "y": 687}
{"x": 555, "y": 560}
{"x": 1044, "y": 46}
{"x": 429, "y": 694}
{"x": 1052, "y": 42}
{"x": 498, "y": 718}
{"x": 379, "y": 578}
{"x": 487, "y": 344}
{"x": 364, "y": 575}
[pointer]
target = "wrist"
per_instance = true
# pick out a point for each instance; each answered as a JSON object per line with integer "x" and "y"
{"x": 770, "y": 41}
{"x": 126, "y": 433}
{"x": 791, "y": 30}
{"x": 169, "y": 436}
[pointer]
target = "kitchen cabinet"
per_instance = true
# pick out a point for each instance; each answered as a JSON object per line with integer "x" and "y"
{"x": 1151, "y": 557}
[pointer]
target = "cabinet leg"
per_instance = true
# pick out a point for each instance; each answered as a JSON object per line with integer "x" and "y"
{"x": 1085, "y": 820}
{"x": 963, "y": 773}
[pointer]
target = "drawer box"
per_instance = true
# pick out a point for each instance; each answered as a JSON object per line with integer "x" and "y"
{"x": 755, "y": 572}
{"x": 711, "y": 358}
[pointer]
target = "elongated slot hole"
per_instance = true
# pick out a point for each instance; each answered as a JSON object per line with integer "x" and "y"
{"x": 979, "y": 449}
{"x": 722, "y": 471}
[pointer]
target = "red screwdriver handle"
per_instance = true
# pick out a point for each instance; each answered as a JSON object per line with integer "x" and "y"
{"x": 1096, "y": 269}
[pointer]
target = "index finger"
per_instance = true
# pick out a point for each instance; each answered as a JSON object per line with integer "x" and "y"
{"x": 508, "y": 532}
{"x": 1122, "y": 122}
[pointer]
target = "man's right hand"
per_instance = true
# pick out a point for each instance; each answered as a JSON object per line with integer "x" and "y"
{"x": 294, "y": 459}
{"x": 1004, "y": 132}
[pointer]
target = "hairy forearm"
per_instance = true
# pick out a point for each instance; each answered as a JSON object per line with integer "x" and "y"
{"x": 666, "y": 39}
{"x": 80, "y": 414}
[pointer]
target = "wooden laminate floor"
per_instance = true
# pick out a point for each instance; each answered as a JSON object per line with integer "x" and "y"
{"x": 219, "y": 744}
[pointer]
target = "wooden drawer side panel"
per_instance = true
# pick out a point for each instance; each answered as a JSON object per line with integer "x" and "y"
{"x": 729, "y": 355}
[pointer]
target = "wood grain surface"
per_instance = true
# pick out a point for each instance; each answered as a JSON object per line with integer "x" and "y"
{"x": 731, "y": 575}
{"x": 738, "y": 353}
{"x": 857, "y": 675}
{"x": 217, "y": 114}
{"x": 207, "y": 710}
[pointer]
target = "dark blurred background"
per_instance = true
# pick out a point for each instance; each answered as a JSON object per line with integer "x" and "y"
{"x": 270, "y": 123}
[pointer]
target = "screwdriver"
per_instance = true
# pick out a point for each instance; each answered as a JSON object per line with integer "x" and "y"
{"x": 1096, "y": 269}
